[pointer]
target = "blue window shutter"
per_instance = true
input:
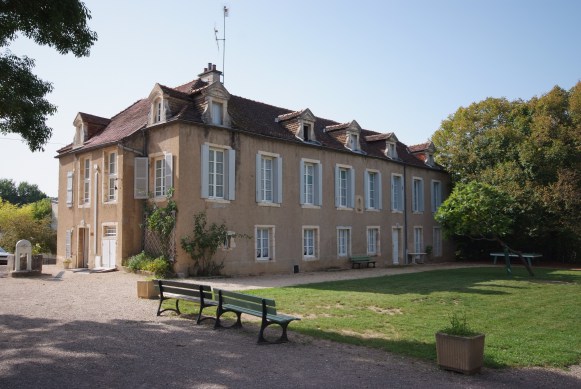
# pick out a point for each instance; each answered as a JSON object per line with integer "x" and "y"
{"x": 337, "y": 188}
{"x": 258, "y": 178}
{"x": 351, "y": 190}
{"x": 379, "y": 191}
{"x": 318, "y": 179}
{"x": 366, "y": 189}
{"x": 141, "y": 178}
{"x": 205, "y": 170}
{"x": 302, "y": 182}
{"x": 278, "y": 180}
{"x": 231, "y": 174}
{"x": 168, "y": 171}
{"x": 421, "y": 197}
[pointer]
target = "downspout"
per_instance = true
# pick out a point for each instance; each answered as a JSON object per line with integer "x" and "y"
{"x": 96, "y": 213}
{"x": 145, "y": 154}
{"x": 405, "y": 216}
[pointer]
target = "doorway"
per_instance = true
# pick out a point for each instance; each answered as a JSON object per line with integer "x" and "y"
{"x": 83, "y": 248}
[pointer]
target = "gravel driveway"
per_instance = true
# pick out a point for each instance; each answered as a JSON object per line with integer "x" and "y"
{"x": 71, "y": 329}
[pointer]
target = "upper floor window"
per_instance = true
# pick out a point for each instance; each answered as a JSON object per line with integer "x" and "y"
{"x": 311, "y": 182}
{"x": 268, "y": 178}
{"x": 417, "y": 195}
{"x": 344, "y": 186}
{"x": 163, "y": 174}
{"x": 69, "y": 189}
{"x": 397, "y": 192}
{"x": 86, "y": 187}
{"x": 110, "y": 179}
{"x": 429, "y": 159}
{"x": 218, "y": 172}
{"x": 372, "y": 189}
{"x": 353, "y": 141}
{"x": 217, "y": 113}
{"x": 391, "y": 150}
{"x": 306, "y": 132}
{"x": 436, "y": 195}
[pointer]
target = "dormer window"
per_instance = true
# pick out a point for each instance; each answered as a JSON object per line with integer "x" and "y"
{"x": 157, "y": 111}
{"x": 353, "y": 141}
{"x": 429, "y": 159}
{"x": 306, "y": 132}
{"x": 390, "y": 150}
{"x": 217, "y": 113}
{"x": 79, "y": 135}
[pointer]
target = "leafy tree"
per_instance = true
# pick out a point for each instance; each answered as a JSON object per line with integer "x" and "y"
{"x": 8, "y": 191}
{"x": 60, "y": 24}
{"x": 18, "y": 223}
{"x": 481, "y": 212}
{"x": 24, "y": 193}
{"x": 530, "y": 150}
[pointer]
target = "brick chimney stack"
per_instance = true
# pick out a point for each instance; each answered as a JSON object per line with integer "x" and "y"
{"x": 210, "y": 74}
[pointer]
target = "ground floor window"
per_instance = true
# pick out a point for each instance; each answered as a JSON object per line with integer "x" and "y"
{"x": 264, "y": 242}
{"x": 343, "y": 241}
{"x": 310, "y": 242}
{"x": 373, "y": 241}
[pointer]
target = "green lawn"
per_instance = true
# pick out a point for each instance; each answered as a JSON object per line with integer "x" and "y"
{"x": 528, "y": 321}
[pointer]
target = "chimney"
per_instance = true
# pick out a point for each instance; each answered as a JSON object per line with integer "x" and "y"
{"x": 210, "y": 74}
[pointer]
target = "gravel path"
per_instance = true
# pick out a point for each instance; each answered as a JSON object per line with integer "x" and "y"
{"x": 71, "y": 329}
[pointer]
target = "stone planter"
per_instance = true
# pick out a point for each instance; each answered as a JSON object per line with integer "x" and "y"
{"x": 464, "y": 354}
{"x": 66, "y": 265}
{"x": 146, "y": 289}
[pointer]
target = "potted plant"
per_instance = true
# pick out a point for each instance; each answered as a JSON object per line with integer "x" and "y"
{"x": 66, "y": 263}
{"x": 459, "y": 348}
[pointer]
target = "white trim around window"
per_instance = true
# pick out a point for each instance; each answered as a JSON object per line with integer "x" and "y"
{"x": 343, "y": 241}
{"x": 436, "y": 195}
{"x": 417, "y": 194}
{"x": 268, "y": 178}
{"x": 397, "y": 192}
{"x": 373, "y": 190}
{"x": 373, "y": 241}
{"x": 264, "y": 242}
{"x": 344, "y": 187}
{"x": 311, "y": 184}
{"x": 310, "y": 245}
{"x": 218, "y": 173}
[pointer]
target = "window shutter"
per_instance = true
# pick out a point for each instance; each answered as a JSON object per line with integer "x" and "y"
{"x": 140, "y": 183}
{"x": 421, "y": 196}
{"x": 302, "y": 183}
{"x": 366, "y": 189}
{"x": 378, "y": 191}
{"x": 168, "y": 157}
{"x": 69, "y": 189}
{"x": 393, "y": 194}
{"x": 337, "y": 188}
{"x": 68, "y": 239}
{"x": 351, "y": 189}
{"x": 258, "y": 178}
{"x": 205, "y": 162}
{"x": 278, "y": 180}
{"x": 318, "y": 180}
{"x": 231, "y": 175}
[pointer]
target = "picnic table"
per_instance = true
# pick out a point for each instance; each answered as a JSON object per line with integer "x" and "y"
{"x": 528, "y": 256}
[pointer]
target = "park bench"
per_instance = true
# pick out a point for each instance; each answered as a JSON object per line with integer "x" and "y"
{"x": 264, "y": 308}
{"x": 178, "y": 290}
{"x": 361, "y": 259}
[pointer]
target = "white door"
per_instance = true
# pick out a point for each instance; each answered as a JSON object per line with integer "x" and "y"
{"x": 109, "y": 250}
{"x": 395, "y": 245}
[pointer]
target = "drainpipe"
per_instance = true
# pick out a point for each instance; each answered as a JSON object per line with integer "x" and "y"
{"x": 405, "y": 216}
{"x": 95, "y": 211}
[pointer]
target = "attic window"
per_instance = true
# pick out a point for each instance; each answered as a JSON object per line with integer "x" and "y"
{"x": 306, "y": 132}
{"x": 217, "y": 113}
{"x": 157, "y": 111}
{"x": 429, "y": 159}
{"x": 79, "y": 135}
{"x": 353, "y": 141}
{"x": 390, "y": 150}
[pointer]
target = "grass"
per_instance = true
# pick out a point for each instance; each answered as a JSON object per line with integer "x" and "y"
{"x": 528, "y": 321}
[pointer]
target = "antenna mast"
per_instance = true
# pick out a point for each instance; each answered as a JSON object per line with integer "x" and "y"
{"x": 223, "y": 39}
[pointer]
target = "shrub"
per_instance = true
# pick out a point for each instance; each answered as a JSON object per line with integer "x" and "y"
{"x": 137, "y": 262}
{"x": 159, "y": 266}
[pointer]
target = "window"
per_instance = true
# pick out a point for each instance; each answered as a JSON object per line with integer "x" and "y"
{"x": 373, "y": 241}
{"x": 229, "y": 241}
{"x": 217, "y": 113}
{"x": 396, "y": 192}
{"x": 109, "y": 231}
{"x": 353, "y": 141}
{"x": 436, "y": 195}
{"x": 417, "y": 195}
{"x": 437, "y": 242}
{"x": 429, "y": 159}
{"x": 218, "y": 172}
{"x": 268, "y": 178}
{"x": 311, "y": 183}
{"x": 418, "y": 240}
{"x": 344, "y": 187}
{"x": 310, "y": 242}
{"x": 391, "y": 150}
{"x": 343, "y": 241}
{"x": 157, "y": 111}
{"x": 86, "y": 166}
{"x": 372, "y": 189}
{"x": 163, "y": 175}
{"x": 140, "y": 179}
{"x": 110, "y": 180}
{"x": 69, "y": 189}
{"x": 264, "y": 242}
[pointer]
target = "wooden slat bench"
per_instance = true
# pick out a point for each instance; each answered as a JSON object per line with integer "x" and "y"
{"x": 252, "y": 305}
{"x": 361, "y": 259}
{"x": 178, "y": 290}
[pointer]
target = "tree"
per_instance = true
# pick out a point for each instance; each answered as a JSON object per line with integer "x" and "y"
{"x": 8, "y": 191}
{"x": 204, "y": 243}
{"x": 24, "y": 193}
{"x": 60, "y": 24}
{"x": 530, "y": 150}
{"x": 481, "y": 212}
{"x": 18, "y": 223}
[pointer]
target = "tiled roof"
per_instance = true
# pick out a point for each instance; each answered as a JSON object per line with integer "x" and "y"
{"x": 248, "y": 116}
{"x": 421, "y": 147}
{"x": 94, "y": 119}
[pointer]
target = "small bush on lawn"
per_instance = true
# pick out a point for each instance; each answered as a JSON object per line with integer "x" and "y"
{"x": 159, "y": 266}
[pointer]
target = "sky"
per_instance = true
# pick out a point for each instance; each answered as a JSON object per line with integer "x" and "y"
{"x": 393, "y": 66}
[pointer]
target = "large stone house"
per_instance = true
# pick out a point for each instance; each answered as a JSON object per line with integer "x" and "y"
{"x": 310, "y": 191}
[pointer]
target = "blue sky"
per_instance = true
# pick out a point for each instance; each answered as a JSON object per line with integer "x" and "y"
{"x": 400, "y": 66}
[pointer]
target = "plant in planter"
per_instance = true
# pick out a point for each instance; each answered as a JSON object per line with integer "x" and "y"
{"x": 66, "y": 263}
{"x": 459, "y": 348}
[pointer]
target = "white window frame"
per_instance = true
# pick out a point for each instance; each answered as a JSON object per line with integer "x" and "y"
{"x": 397, "y": 198}
{"x": 436, "y": 195}
{"x": 109, "y": 230}
{"x": 373, "y": 190}
{"x": 110, "y": 181}
{"x": 309, "y": 255}
{"x": 217, "y": 112}
{"x": 437, "y": 241}
{"x": 343, "y": 241}
{"x": 268, "y": 181}
{"x": 262, "y": 234}
{"x": 344, "y": 187}
{"x": 391, "y": 150}
{"x": 70, "y": 192}
{"x": 85, "y": 177}
{"x": 162, "y": 175}
{"x": 353, "y": 141}
{"x": 418, "y": 240}
{"x": 373, "y": 241}
{"x": 314, "y": 197}
{"x": 417, "y": 195}
{"x": 228, "y": 171}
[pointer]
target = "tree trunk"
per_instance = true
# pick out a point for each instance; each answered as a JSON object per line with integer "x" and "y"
{"x": 519, "y": 253}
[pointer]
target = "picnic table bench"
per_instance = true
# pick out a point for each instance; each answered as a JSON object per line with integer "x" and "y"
{"x": 264, "y": 308}
{"x": 528, "y": 256}
{"x": 361, "y": 259}
{"x": 179, "y": 290}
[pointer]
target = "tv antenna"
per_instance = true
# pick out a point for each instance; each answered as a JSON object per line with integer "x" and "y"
{"x": 223, "y": 39}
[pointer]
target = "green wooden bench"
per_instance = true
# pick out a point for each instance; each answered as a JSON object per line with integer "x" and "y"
{"x": 361, "y": 259}
{"x": 178, "y": 290}
{"x": 251, "y": 305}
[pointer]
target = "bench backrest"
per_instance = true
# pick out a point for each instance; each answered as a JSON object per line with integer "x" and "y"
{"x": 185, "y": 288}
{"x": 247, "y": 301}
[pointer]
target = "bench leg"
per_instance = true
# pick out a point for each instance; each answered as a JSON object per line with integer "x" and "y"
{"x": 201, "y": 318}
{"x": 218, "y": 322}
{"x": 176, "y": 309}
{"x": 283, "y": 337}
